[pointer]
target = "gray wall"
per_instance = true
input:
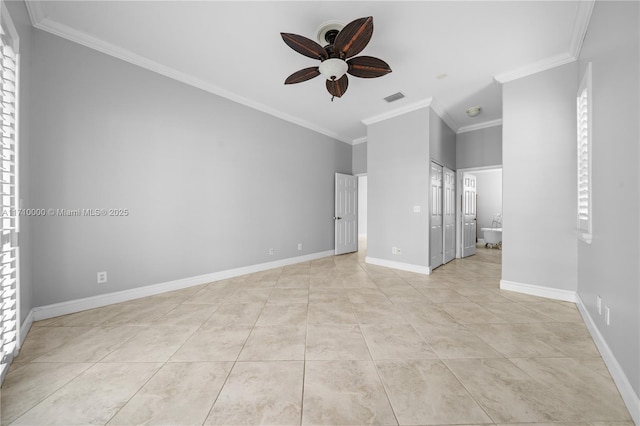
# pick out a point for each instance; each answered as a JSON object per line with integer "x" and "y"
{"x": 210, "y": 184}
{"x": 362, "y": 205}
{"x": 479, "y": 148}
{"x": 442, "y": 141}
{"x": 609, "y": 266}
{"x": 21, "y": 21}
{"x": 539, "y": 179}
{"x": 398, "y": 179}
{"x": 489, "y": 191}
{"x": 359, "y": 161}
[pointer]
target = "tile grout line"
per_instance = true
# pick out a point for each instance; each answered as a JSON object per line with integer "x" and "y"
{"x": 233, "y": 365}
{"x": 56, "y": 390}
{"x": 346, "y": 267}
{"x": 373, "y": 361}
{"x": 438, "y": 358}
{"x": 444, "y": 362}
{"x": 164, "y": 363}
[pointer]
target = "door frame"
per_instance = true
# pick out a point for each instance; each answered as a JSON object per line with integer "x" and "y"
{"x": 446, "y": 169}
{"x": 351, "y": 215}
{"x": 362, "y": 211}
{"x": 430, "y": 211}
{"x": 459, "y": 203}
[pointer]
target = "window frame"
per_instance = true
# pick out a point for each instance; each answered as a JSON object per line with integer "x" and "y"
{"x": 10, "y": 239}
{"x": 584, "y": 112}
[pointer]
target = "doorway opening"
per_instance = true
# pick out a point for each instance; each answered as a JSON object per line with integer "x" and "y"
{"x": 487, "y": 208}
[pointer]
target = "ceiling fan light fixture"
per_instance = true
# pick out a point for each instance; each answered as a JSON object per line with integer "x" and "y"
{"x": 338, "y": 57}
{"x": 333, "y": 68}
{"x": 474, "y": 111}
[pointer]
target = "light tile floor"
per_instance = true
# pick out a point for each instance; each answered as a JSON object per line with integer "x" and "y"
{"x": 328, "y": 342}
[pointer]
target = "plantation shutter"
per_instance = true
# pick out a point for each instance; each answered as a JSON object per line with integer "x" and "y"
{"x": 584, "y": 155}
{"x": 9, "y": 306}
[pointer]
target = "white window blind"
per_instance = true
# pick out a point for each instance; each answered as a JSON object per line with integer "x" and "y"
{"x": 584, "y": 110}
{"x": 9, "y": 306}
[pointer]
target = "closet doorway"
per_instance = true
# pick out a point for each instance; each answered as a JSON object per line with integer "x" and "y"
{"x": 442, "y": 229}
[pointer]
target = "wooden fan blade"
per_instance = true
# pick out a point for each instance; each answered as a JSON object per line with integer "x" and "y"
{"x": 368, "y": 67}
{"x": 354, "y": 37}
{"x": 338, "y": 87}
{"x": 304, "y": 46}
{"x": 302, "y": 75}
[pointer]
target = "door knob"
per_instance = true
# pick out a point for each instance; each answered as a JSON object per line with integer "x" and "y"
{"x": 337, "y": 218}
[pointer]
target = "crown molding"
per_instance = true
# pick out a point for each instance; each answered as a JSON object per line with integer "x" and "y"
{"x": 580, "y": 26}
{"x": 435, "y": 106}
{"x": 40, "y": 21}
{"x": 429, "y": 102}
{"x": 534, "y": 68}
{"x": 478, "y": 126}
{"x": 359, "y": 140}
{"x": 36, "y": 12}
{"x": 398, "y": 111}
{"x": 52, "y": 27}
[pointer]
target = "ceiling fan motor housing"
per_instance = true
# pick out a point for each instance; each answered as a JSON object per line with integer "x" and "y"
{"x": 330, "y": 36}
{"x": 328, "y": 31}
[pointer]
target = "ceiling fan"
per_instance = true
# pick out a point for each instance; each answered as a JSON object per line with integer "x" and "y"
{"x": 343, "y": 42}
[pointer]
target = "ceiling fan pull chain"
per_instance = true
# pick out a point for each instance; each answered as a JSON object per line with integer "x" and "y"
{"x": 332, "y": 98}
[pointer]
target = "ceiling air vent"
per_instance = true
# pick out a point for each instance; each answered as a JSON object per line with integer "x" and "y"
{"x": 394, "y": 97}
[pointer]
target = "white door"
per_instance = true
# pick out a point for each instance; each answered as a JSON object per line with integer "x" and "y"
{"x": 468, "y": 214}
{"x": 449, "y": 215}
{"x": 435, "y": 234}
{"x": 346, "y": 214}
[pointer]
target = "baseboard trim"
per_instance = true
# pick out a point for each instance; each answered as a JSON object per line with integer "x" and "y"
{"x": 25, "y": 327}
{"x": 631, "y": 400}
{"x": 78, "y": 305}
{"x": 425, "y": 270}
{"x": 540, "y": 291}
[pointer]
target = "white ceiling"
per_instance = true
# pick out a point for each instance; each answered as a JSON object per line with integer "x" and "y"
{"x": 234, "y": 49}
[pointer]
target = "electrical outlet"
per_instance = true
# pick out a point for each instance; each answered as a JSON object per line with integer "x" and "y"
{"x": 271, "y": 251}
{"x": 299, "y": 246}
{"x": 102, "y": 277}
{"x": 607, "y": 315}
{"x": 416, "y": 209}
{"x": 394, "y": 250}
{"x": 599, "y": 304}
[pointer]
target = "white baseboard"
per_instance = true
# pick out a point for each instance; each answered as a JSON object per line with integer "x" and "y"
{"x": 78, "y": 305}
{"x": 25, "y": 327}
{"x": 399, "y": 265}
{"x": 540, "y": 291}
{"x": 631, "y": 400}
